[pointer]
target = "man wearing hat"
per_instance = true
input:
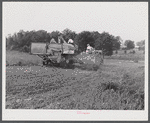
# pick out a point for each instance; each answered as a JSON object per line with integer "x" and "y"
{"x": 89, "y": 48}
{"x": 70, "y": 41}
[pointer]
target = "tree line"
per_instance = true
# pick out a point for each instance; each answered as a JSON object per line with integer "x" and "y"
{"x": 141, "y": 44}
{"x": 100, "y": 41}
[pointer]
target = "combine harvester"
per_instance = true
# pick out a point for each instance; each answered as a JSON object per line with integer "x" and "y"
{"x": 59, "y": 54}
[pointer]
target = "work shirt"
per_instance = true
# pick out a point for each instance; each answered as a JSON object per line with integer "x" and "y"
{"x": 70, "y": 41}
{"x": 89, "y": 48}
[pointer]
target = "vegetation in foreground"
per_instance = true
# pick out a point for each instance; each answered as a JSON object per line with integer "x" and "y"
{"x": 116, "y": 85}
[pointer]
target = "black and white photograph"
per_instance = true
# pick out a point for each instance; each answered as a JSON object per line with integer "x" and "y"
{"x": 75, "y": 61}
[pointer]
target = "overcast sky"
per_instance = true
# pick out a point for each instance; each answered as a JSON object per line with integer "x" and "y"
{"x": 129, "y": 20}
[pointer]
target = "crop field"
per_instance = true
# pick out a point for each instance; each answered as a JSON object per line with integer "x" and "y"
{"x": 117, "y": 84}
{"x": 138, "y": 56}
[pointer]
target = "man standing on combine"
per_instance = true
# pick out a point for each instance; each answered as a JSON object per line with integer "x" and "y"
{"x": 89, "y": 49}
{"x": 70, "y": 41}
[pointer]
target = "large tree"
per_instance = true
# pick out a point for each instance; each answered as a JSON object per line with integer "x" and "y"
{"x": 107, "y": 43}
{"x": 129, "y": 44}
{"x": 23, "y": 39}
{"x": 55, "y": 35}
{"x": 140, "y": 43}
{"x": 68, "y": 34}
{"x": 116, "y": 42}
{"x": 84, "y": 38}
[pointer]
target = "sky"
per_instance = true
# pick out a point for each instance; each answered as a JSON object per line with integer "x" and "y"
{"x": 129, "y": 20}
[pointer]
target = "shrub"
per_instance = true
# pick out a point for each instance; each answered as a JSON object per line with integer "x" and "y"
{"x": 25, "y": 49}
{"x": 110, "y": 85}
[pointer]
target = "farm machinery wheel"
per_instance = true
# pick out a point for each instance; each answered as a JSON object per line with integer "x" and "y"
{"x": 66, "y": 61}
{"x": 67, "y": 64}
{"x": 45, "y": 61}
{"x": 70, "y": 64}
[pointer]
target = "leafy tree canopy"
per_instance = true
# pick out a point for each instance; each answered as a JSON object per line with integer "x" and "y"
{"x": 141, "y": 43}
{"x": 68, "y": 34}
{"x": 129, "y": 44}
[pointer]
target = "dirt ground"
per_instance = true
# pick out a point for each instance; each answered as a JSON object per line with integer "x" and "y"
{"x": 116, "y": 85}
